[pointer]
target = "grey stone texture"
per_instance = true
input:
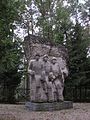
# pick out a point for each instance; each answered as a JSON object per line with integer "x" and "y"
{"x": 49, "y": 106}
{"x": 35, "y": 44}
{"x": 47, "y": 69}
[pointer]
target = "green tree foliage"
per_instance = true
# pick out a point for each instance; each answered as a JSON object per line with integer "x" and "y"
{"x": 10, "y": 50}
{"x": 54, "y": 19}
{"x": 62, "y": 23}
{"x": 78, "y": 43}
{"x": 77, "y": 56}
{"x": 66, "y": 24}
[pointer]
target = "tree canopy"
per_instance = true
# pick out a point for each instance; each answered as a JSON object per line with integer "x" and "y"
{"x": 66, "y": 22}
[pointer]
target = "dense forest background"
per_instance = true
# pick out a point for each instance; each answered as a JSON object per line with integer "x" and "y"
{"x": 64, "y": 21}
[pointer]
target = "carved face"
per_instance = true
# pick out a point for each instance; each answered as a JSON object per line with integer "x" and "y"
{"x": 37, "y": 57}
{"x": 54, "y": 61}
{"x": 45, "y": 59}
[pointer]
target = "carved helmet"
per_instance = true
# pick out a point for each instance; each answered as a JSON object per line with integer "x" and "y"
{"x": 37, "y": 54}
{"x": 45, "y": 56}
{"x": 54, "y": 58}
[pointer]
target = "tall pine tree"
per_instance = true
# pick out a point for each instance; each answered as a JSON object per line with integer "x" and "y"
{"x": 77, "y": 55}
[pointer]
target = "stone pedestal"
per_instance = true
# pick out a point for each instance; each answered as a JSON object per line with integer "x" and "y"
{"x": 49, "y": 106}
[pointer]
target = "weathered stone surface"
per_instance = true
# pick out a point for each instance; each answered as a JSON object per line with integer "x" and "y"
{"x": 46, "y": 74}
{"x": 33, "y": 44}
{"x": 49, "y": 106}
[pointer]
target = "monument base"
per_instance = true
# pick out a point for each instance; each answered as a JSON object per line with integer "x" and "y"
{"x": 49, "y": 106}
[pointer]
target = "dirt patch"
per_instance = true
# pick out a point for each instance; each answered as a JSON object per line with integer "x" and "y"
{"x": 80, "y": 111}
{"x": 5, "y": 116}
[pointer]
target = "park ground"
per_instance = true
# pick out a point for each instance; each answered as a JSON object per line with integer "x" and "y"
{"x": 80, "y": 111}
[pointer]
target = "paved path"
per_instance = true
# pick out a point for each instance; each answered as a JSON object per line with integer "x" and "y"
{"x": 80, "y": 111}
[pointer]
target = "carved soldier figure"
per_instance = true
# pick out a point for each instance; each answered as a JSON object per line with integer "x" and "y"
{"x": 51, "y": 88}
{"x": 47, "y": 79}
{"x": 35, "y": 71}
{"x": 63, "y": 66}
{"x": 45, "y": 73}
{"x": 57, "y": 79}
{"x": 46, "y": 65}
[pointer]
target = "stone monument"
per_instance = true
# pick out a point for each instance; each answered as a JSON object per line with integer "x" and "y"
{"x": 47, "y": 69}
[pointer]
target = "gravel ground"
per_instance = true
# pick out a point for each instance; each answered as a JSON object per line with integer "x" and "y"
{"x": 80, "y": 111}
